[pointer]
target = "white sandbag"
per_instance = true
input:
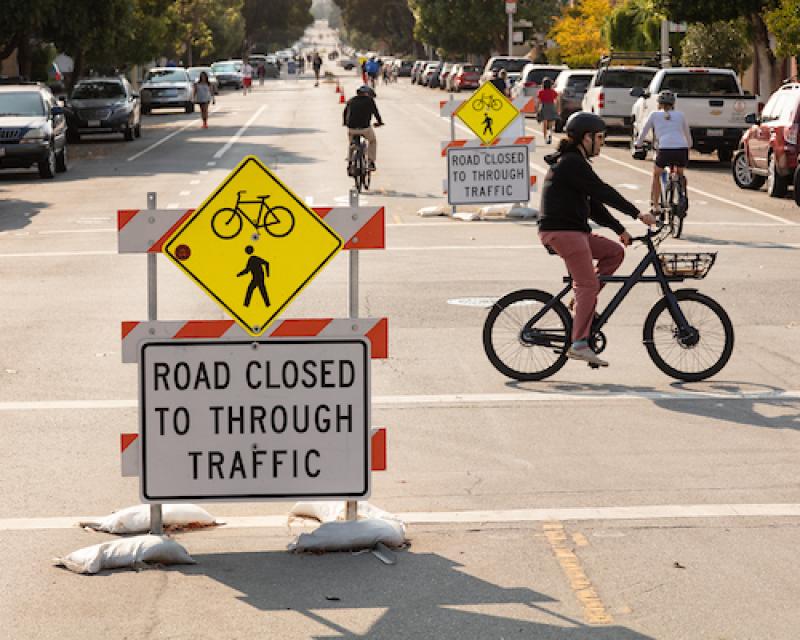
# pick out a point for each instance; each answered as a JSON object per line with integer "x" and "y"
{"x": 351, "y": 535}
{"x": 127, "y": 552}
{"x": 137, "y": 519}
{"x": 325, "y": 511}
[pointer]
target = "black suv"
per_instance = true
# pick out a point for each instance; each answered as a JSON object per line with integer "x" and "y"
{"x": 33, "y": 129}
{"x": 103, "y": 105}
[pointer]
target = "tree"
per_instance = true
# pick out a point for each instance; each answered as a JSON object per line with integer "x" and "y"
{"x": 633, "y": 26}
{"x": 20, "y": 22}
{"x": 275, "y": 23}
{"x": 708, "y": 11}
{"x": 720, "y": 44}
{"x": 392, "y": 25}
{"x": 227, "y": 32}
{"x": 784, "y": 23}
{"x": 579, "y": 33}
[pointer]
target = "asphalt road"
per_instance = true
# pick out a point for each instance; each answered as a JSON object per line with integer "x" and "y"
{"x": 597, "y": 504}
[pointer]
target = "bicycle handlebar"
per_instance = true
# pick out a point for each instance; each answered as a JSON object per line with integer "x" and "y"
{"x": 651, "y": 233}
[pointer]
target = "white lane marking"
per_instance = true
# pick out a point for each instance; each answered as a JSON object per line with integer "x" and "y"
{"x": 239, "y": 133}
{"x": 707, "y": 194}
{"x": 163, "y": 140}
{"x": 173, "y": 205}
{"x": 561, "y": 514}
{"x": 54, "y": 232}
{"x": 184, "y": 193}
{"x": 211, "y": 164}
{"x": 194, "y": 182}
{"x": 204, "y": 172}
{"x": 494, "y": 247}
{"x": 483, "y": 303}
{"x": 454, "y": 399}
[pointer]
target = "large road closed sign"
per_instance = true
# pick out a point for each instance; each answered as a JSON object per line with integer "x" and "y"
{"x": 482, "y": 175}
{"x": 255, "y": 420}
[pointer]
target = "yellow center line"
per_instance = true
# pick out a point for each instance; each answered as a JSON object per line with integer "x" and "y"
{"x": 594, "y": 611}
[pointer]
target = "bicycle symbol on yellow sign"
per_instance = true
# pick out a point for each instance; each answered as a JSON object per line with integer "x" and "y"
{"x": 252, "y": 230}
{"x": 487, "y": 112}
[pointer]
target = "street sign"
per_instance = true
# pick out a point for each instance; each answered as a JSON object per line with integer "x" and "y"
{"x": 254, "y": 420}
{"x": 253, "y": 245}
{"x": 511, "y": 6}
{"x": 487, "y": 112}
{"x": 478, "y": 175}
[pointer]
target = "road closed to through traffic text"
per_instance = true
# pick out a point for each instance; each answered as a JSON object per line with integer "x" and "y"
{"x": 479, "y": 175}
{"x": 255, "y": 420}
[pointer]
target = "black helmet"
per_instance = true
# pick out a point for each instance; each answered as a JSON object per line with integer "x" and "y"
{"x": 583, "y": 122}
{"x": 666, "y": 97}
{"x": 365, "y": 90}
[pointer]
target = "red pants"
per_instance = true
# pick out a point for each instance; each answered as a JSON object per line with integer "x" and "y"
{"x": 579, "y": 249}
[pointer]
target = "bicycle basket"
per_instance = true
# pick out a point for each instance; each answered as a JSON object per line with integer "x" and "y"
{"x": 687, "y": 265}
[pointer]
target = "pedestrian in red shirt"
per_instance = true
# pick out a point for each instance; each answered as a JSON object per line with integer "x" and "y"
{"x": 547, "y": 108}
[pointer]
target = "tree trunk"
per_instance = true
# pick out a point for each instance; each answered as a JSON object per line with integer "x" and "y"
{"x": 24, "y": 57}
{"x": 77, "y": 68}
{"x": 769, "y": 70}
{"x": 189, "y": 60}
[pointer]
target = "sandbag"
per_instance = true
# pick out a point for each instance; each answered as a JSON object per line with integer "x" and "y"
{"x": 137, "y": 519}
{"x": 132, "y": 552}
{"x": 351, "y": 535}
{"x": 332, "y": 511}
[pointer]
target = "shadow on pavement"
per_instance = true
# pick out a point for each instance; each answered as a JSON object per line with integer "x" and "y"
{"x": 17, "y": 214}
{"x": 417, "y": 592}
{"x": 692, "y": 237}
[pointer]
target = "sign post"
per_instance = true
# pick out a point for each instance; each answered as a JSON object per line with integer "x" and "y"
{"x": 511, "y": 9}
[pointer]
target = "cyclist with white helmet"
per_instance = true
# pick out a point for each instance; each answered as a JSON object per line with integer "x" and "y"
{"x": 572, "y": 195}
{"x": 674, "y": 139}
{"x": 357, "y": 117}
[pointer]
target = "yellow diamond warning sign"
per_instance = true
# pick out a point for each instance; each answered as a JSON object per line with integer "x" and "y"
{"x": 487, "y": 112}
{"x": 253, "y": 245}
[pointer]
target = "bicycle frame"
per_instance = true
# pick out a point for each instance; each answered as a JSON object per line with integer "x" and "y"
{"x": 261, "y": 201}
{"x": 628, "y": 282}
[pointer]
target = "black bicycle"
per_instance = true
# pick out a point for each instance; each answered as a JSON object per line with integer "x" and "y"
{"x": 357, "y": 164}
{"x": 687, "y": 335}
{"x": 227, "y": 222}
{"x": 674, "y": 201}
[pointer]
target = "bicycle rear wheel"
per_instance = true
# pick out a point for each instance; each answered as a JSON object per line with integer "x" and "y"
{"x": 697, "y": 352}
{"x": 366, "y": 178}
{"x": 527, "y": 355}
{"x": 675, "y": 217}
{"x": 279, "y": 222}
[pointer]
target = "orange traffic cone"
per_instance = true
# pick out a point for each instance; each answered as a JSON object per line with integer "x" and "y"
{"x": 338, "y": 88}
{"x": 341, "y": 98}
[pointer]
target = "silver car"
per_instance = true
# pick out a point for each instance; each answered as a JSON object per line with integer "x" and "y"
{"x": 167, "y": 88}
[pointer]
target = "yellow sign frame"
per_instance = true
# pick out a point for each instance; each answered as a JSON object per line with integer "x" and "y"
{"x": 468, "y": 112}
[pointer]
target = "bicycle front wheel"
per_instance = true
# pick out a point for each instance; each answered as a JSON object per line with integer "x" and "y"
{"x": 532, "y": 354}
{"x": 279, "y": 223}
{"x": 697, "y": 351}
{"x": 366, "y": 178}
{"x": 226, "y": 223}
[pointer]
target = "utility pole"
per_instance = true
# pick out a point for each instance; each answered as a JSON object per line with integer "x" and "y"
{"x": 511, "y": 9}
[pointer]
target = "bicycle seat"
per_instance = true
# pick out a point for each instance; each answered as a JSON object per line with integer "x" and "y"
{"x": 262, "y": 197}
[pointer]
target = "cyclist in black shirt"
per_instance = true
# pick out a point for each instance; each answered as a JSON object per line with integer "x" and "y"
{"x": 357, "y": 117}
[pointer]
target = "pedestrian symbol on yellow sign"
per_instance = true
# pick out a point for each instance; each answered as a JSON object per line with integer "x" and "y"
{"x": 252, "y": 230}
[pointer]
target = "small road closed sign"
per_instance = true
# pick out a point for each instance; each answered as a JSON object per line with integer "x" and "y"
{"x": 479, "y": 175}
{"x": 255, "y": 420}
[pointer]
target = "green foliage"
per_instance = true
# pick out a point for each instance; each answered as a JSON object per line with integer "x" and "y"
{"x": 578, "y": 33}
{"x": 389, "y": 25}
{"x": 633, "y": 26}
{"x": 227, "y": 33}
{"x": 275, "y": 24}
{"x": 720, "y": 44}
{"x": 708, "y": 11}
{"x": 784, "y": 23}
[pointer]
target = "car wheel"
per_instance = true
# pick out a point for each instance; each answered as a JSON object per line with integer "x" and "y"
{"x": 73, "y": 136}
{"x": 128, "y": 132}
{"x": 725, "y": 154}
{"x": 742, "y": 175}
{"x": 146, "y": 111}
{"x": 47, "y": 167}
{"x": 796, "y": 185}
{"x": 62, "y": 160}
{"x": 137, "y": 130}
{"x": 776, "y": 183}
{"x": 637, "y": 154}
{"x": 189, "y": 107}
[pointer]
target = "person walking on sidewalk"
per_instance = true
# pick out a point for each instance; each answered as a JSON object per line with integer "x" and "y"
{"x": 547, "y": 109}
{"x": 317, "y": 64}
{"x": 203, "y": 95}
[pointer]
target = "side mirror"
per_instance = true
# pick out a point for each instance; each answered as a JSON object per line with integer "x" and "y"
{"x": 637, "y": 92}
{"x": 751, "y": 118}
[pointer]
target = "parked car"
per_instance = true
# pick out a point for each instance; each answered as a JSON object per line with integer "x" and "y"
{"x": 194, "y": 74}
{"x": 403, "y": 68}
{"x": 417, "y": 69}
{"x": 609, "y": 94}
{"x": 532, "y": 76}
{"x": 167, "y": 88}
{"x": 229, "y": 73}
{"x": 570, "y": 86}
{"x": 431, "y": 70}
{"x": 712, "y": 100}
{"x": 466, "y": 76}
{"x": 441, "y": 82}
{"x": 103, "y": 105}
{"x": 269, "y": 62}
{"x": 769, "y": 148}
{"x": 510, "y": 64}
{"x": 33, "y": 129}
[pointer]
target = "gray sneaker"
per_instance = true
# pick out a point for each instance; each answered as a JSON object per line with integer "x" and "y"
{"x": 586, "y": 354}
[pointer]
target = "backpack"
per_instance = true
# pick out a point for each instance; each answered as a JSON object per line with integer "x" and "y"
{"x": 372, "y": 67}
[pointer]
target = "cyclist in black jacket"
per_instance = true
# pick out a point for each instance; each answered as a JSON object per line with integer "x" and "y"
{"x": 357, "y": 117}
{"x": 572, "y": 194}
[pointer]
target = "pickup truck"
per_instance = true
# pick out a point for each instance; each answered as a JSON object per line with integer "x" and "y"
{"x": 609, "y": 94}
{"x": 712, "y": 100}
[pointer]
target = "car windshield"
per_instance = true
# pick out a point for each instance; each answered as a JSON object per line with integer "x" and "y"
{"x": 26, "y": 103}
{"x": 537, "y": 75}
{"x": 97, "y": 90}
{"x": 701, "y": 84}
{"x": 512, "y": 66}
{"x": 226, "y": 67}
{"x": 469, "y": 68}
{"x": 624, "y": 78}
{"x": 579, "y": 84}
{"x": 167, "y": 75}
